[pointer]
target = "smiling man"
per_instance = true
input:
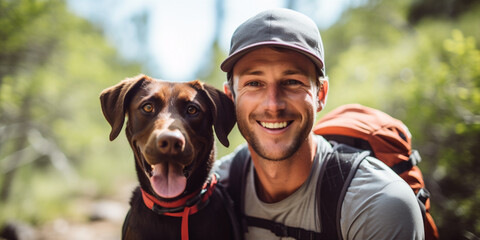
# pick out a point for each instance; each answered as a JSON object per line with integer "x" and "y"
{"x": 276, "y": 77}
{"x": 276, "y": 101}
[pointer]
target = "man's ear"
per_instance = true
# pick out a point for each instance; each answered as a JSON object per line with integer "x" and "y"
{"x": 228, "y": 91}
{"x": 322, "y": 95}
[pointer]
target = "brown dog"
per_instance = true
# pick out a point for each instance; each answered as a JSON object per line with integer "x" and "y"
{"x": 170, "y": 131}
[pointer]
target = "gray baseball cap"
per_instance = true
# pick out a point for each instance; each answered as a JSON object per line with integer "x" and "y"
{"x": 278, "y": 27}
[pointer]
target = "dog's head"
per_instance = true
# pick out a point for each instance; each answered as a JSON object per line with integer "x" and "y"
{"x": 169, "y": 129}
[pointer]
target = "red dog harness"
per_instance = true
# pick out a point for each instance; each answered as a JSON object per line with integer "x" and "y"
{"x": 183, "y": 207}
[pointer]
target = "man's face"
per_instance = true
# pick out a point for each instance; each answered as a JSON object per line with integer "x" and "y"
{"x": 276, "y": 100}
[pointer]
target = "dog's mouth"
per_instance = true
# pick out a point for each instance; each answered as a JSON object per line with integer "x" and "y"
{"x": 167, "y": 174}
{"x": 167, "y": 179}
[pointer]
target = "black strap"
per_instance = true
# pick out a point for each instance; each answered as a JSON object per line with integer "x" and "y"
{"x": 282, "y": 230}
{"x": 236, "y": 184}
{"x": 227, "y": 201}
{"x": 336, "y": 174}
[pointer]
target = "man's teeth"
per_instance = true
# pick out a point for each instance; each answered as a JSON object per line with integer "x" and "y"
{"x": 275, "y": 125}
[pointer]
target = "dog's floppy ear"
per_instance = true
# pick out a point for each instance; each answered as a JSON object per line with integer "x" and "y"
{"x": 114, "y": 101}
{"x": 223, "y": 111}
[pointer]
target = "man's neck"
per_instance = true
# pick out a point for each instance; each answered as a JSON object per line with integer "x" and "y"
{"x": 276, "y": 180}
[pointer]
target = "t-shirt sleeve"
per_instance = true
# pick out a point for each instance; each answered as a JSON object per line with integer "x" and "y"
{"x": 386, "y": 208}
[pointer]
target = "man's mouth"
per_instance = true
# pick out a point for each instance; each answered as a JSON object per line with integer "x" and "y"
{"x": 275, "y": 125}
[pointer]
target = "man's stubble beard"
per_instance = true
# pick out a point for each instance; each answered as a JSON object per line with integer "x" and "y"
{"x": 288, "y": 151}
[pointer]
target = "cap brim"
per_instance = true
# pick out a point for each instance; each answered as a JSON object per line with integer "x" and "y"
{"x": 228, "y": 63}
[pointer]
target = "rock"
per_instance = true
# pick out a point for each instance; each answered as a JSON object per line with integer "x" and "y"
{"x": 16, "y": 230}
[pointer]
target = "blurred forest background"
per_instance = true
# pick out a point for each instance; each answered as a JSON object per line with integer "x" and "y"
{"x": 418, "y": 60}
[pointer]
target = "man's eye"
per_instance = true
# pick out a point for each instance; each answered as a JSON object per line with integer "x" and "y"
{"x": 253, "y": 84}
{"x": 291, "y": 82}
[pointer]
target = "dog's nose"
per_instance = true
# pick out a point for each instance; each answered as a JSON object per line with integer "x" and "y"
{"x": 171, "y": 142}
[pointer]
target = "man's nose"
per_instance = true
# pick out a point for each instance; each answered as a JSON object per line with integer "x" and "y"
{"x": 274, "y": 99}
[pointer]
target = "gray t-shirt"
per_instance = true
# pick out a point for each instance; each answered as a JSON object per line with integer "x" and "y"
{"x": 378, "y": 203}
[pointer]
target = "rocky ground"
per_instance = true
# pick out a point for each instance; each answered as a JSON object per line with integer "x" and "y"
{"x": 105, "y": 218}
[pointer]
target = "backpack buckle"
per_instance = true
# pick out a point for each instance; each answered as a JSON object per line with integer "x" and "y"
{"x": 415, "y": 157}
{"x": 423, "y": 195}
{"x": 280, "y": 230}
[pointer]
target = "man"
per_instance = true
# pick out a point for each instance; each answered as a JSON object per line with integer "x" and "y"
{"x": 276, "y": 77}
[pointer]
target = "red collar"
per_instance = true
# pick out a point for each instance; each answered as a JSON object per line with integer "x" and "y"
{"x": 183, "y": 207}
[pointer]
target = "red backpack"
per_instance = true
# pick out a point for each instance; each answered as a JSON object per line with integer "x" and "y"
{"x": 387, "y": 139}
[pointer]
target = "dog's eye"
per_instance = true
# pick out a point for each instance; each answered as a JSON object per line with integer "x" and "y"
{"x": 192, "y": 110}
{"x": 147, "y": 108}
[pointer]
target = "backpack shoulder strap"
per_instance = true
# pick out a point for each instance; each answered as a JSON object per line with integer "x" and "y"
{"x": 336, "y": 174}
{"x": 229, "y": 205}
{"x": 236, "y": 183}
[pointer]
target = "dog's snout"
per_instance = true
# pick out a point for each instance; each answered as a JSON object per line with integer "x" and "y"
{"x": 171, "y": 142}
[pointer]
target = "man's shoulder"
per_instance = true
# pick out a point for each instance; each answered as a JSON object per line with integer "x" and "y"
{"x": 375, "y": 171}
{"x": 378, "y": 197}
{"x": 374, "y": 179}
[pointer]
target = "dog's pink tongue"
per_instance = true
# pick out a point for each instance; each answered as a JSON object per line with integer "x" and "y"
{"x": 168, "y": 180}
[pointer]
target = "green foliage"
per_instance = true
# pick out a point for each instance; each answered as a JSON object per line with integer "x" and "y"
{"x": 428, "y": 75}
{"x": 54, "y": 140}
{"x": 21, "y": 42}
{"x": 448, "y": 132}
